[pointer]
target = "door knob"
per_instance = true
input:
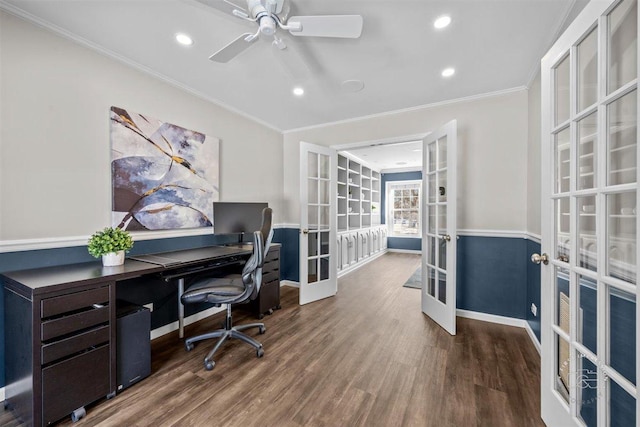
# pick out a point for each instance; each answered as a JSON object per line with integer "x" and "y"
{"x": 445, "y": 237}
{"x": 537, "y": 259}
{"x": 305, "y": 231}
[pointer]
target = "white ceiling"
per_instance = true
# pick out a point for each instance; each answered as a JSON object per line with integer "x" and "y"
{"x": 494, "y": 45}
{"x": 386, "y": 157}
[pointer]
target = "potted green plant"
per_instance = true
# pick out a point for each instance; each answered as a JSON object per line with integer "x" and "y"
{"x": 110, "y": 243}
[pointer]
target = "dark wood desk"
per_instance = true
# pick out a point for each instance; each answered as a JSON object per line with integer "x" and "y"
{"x": 60, "y": 329}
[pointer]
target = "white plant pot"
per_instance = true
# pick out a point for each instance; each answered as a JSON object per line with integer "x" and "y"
{"x": 113, "y": 258}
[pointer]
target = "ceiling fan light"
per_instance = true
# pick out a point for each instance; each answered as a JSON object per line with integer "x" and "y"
{"x": 184, "y": 39}
{"x": 442, "y": 22}
{"x": 267, "y": 25}
{"x": 279, "y": 43}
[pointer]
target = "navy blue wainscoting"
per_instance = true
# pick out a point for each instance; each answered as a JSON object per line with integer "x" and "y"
{"x": 404, "y": 243}
{"x": 289, "y": 253}
{"x": 533, "y": 289}
{"x": 492, "y": 275}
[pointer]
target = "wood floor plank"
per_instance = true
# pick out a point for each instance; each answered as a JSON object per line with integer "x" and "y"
{"x": 367, "y": 357}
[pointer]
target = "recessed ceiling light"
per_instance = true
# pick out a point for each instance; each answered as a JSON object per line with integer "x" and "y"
{"x": 448, "y": 72}
{"x": 442, "y": 21}
{"x": 298, "y": 91}
{"x": 184, "y": 39}
{"x": 352, "y": 86}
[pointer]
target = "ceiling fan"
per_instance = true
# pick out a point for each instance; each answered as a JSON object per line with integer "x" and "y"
{"x": 271, "y": 15}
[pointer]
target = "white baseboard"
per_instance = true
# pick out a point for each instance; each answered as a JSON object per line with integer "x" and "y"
{"x": 502, "y": 320}
{"x": 405, "y": 251}
{"x": 163, "y": 330}
{"x": 290, "y": 283}
{"x": 493, "y": 318}
{"x": 361, "y": 263}
{"x": 2, "y": 394}
{"x": 533, "y": 337}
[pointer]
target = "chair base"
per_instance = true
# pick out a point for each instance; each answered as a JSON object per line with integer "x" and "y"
{"x": 228, "y": 332}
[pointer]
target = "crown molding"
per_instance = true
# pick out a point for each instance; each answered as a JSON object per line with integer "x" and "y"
{"x": 9, "y": 8}
{"x": 560, "y": 28}
{"x": 410, "y": 109}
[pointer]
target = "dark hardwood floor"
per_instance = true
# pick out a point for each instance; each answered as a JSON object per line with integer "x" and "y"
{"x": 367, "y": 357}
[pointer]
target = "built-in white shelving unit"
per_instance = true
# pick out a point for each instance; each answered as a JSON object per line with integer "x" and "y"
{"x": 360, "y": 235}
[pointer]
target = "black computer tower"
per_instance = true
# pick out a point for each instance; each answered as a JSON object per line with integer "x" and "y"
{"x": 133, "y": 344}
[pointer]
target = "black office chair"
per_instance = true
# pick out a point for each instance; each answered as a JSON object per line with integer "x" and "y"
{"x": 233, "y": 289}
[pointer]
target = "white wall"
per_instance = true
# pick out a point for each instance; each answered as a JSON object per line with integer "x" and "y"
{"x": 534, "y": 149}
{"x": 492, "y": 163}
{"x": 54, "y": 134}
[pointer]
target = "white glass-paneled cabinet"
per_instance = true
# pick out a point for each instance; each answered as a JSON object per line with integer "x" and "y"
{"x": 360, "y": 235}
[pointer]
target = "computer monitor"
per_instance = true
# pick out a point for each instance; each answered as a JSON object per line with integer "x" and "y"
{"x": 237, "y": 218}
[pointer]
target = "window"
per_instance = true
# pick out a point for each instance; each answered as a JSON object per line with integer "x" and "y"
{"x": 403, "y": 208}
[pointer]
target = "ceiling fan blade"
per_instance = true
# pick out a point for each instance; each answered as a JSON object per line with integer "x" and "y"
{"x": 345, "y": 26}
{"x": 233, "y": 49}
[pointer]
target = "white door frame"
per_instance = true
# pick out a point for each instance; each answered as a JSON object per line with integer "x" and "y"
{"x": 442, "y": 313}
{"x": 554, "y": 409}
{"x": 310, "y": 292}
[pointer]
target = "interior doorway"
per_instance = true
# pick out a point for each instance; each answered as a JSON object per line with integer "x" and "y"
{"x": 368, "y": 221}
{"x": 396, "y": 207}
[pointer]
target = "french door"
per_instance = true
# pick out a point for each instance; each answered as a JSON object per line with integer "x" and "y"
{"x": 439, "y": 241}
{"x": 318, "y": 244}
{"x": 589, "y": 223}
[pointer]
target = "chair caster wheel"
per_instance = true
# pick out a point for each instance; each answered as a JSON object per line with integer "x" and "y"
{"x": 262, "y": 330}
{"x": 208, "y": 365}
{"x": 188, "y": 346}
{"x": 78, "y": 414}
{"x": 278, "y": 307}
{"x": 259, "y": 352}
{"x": 261, "y": 316}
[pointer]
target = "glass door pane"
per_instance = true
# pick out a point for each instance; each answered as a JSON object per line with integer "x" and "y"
{"x": 562, "y": 161}
{"x": 587, "y": 52}
{"x": 621, "y": 235}
{"x": 622, "y": 44}
{"x": 587, "y": 152}
{"x": 622, "y": 139}
{"x": 561, "y": 92}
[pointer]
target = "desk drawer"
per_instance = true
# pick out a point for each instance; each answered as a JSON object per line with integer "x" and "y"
{"x": 75, "y": 382}
{"x": 74, "y": 322}
{"x": 270, "y": 276}
{"x": 72, "y": 302}
{"x": 68, "y": 346}
{"x": 272, "y": 255}
{"x": 274, "y": 264}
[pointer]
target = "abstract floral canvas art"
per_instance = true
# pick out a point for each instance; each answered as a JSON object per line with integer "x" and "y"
{"x": 163, "y": 176}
